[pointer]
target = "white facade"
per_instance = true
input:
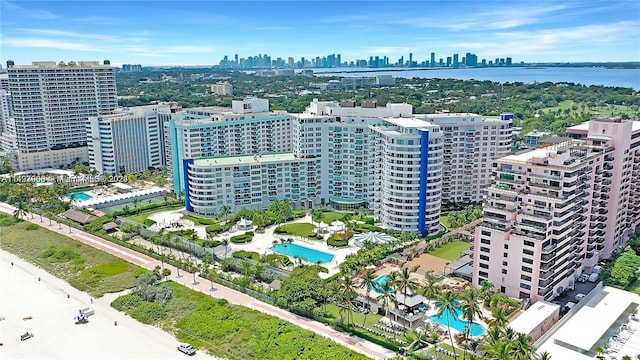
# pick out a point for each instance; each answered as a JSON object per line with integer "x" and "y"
{"x": 52, "y": 102}
{"x": 131, "y": 140}
{"x": 250, "y": 181}
{"x": 223, "y": 88}
{"x": 471, "y": 142}
{"x": 5, "y": 111}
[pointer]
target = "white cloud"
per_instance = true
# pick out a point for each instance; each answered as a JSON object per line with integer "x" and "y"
{"x": 49, "y": 43}
{"x": 31, "y": 13}
{"x": 71, "y": 34}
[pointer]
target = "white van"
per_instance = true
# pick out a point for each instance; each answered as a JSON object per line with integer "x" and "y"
{"x": 594, "y": 277}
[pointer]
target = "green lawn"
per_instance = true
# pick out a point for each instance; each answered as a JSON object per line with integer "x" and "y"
{"x": 358, "y": 318}
{"x": 130, "y": 205}
{"x": 231, "y": 331}
{"x": 604, "y": 110}
{"x": 451, "y": 251}
{"x": 634, "y": 287}
{"x": 299, "y": 229}
{"x": 140, "y": 217}
{"x": 83, "y": 266}
{"x": 331, "y": 216}
{"x": 444, "y": 220}
{"x": 447, "y": 346}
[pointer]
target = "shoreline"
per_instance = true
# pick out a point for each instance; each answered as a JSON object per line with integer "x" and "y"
{"x": 31, "y": 292}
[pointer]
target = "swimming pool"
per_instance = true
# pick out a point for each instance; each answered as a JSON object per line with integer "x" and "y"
{"x": 458, "y": 323}
{"x": 78, "y": 195}
{"x": 302, "y": 252}
{"x": 380, "y": 280}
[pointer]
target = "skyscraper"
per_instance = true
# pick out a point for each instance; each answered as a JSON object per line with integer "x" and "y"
{"x": 456, "y": 62}
{"x": 51, "y": 104}
{"x": 432, "y": 63}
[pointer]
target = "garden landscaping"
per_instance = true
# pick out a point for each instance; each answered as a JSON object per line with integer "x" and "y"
{"x": 451, "y": 251}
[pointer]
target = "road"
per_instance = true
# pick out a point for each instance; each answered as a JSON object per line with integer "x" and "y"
{"x": 187, "y": 279}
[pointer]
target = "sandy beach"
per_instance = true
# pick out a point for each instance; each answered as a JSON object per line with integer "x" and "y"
{"x": 56, "y": 336}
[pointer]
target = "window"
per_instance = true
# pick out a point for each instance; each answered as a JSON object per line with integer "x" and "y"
{"x": 483, "y": 274}
{"x": 529, "y": 243}
{"x": 485, "y": 233}
{"x": 504, "y": 271}
{"x": 527, "y": 260}
{"x": 486, "y": 258}
{"x": 527, "y": 269}
{"x": 484, "y": 249}
{"x": 525, "y": 286}
{"x": 485, "y": 241}
{"x": 483, "y": 265}
{"x": 506, "y": 246}
{"x": 525, "y": 277}
{"x": 527, "y": 252}
{"x": 505, "y": 254}
{"x": 504, "y": 263}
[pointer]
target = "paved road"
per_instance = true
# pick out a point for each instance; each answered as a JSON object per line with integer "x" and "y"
{"x": 235, "y": 297}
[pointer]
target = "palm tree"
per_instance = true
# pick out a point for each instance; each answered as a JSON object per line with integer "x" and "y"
{"x": 486, "y": 288}
{"x": 404, "y": 281}
{"x": 599, "y": 351}
{"x": 446, "y": 302}
{"x": 546, "y": 356}
{"x": 368, "y": 282}
{"x": 316, "y": 216}
{"x": 387, "y": 294}
{"x": 500, "y": 318}
{"x": 521, "y": 347}
{"x": 431, "y": 287}
{"x": 470, "y": 309}
{"x": 225, "y": 211}
{"x": 21, "y": 210}
{"x": 349, "y": 293}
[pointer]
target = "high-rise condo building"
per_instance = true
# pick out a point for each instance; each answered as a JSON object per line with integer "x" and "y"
{"x": 51, "y": 104}
{"x": 129, "y": 140}
{"x": 553, "y": 213}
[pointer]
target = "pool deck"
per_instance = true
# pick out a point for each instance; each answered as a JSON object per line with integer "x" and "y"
{"x": 263, "y": 242}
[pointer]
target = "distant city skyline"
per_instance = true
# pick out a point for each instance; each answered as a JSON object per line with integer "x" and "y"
{"x": 202, "y": 33}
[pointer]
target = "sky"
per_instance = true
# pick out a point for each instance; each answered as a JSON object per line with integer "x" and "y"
{"x": 202, "y": 32}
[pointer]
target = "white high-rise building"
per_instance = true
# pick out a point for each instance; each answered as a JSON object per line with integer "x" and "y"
{"x": 223, "y": 88}
{"x": 51, "y": 103}
{"x": 471, "y": 142}
{"x": 130, "y": 140}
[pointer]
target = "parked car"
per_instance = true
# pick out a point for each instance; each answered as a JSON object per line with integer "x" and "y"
{"x": 568, "y": 306}
{"x": 594, "y": 277}
{"x": 187, "y": 349}
{"x": 579, "y": 297}
{"x": 26, "y": 336}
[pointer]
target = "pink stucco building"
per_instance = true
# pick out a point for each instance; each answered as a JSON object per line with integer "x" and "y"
{"x": 552, "y": 213}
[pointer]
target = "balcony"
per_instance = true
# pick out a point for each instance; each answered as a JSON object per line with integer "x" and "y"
{"x": 549, "y": 248}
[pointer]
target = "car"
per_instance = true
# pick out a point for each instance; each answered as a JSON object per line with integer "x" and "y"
{"x": 26, "y": 336}
{"x": 187, "y": 349}
{"x": 568, "y": 306}
{"x": 579, "y": 297}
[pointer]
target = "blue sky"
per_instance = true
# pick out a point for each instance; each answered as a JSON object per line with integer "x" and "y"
{"x": 202, "y": 32}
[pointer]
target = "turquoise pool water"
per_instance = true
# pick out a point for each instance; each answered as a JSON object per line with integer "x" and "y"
{"x": 79, "y": 196}
{"x": 302, "y": 252}
{"x": 458, "y": 323}
{"x": 379, "y": 281}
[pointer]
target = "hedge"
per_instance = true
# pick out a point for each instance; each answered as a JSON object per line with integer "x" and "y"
{"x": 243, "y": 238}
{"x": 242, "y": 254}
{"x": 337, "y": 240}
{"x": 149, "y": 222}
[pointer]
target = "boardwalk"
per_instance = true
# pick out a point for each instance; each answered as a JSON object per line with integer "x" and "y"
{"x": 235, "y": 297}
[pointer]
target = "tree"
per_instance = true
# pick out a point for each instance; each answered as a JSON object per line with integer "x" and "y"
{"x": 500, "y": 318}
{"x": 20, "y": 211}
{"x": 348, "y": 295}
{"x": 404, "y": 282}
{"x": 368, "y": 282}
{"x": 470, "y": 309}
{"x": 522, "y": 348}
{"x": 316, "y": 216}
{"x": 599, "y": 350}
{"x": 431, "y": 287}
{"x": 225, "y": 211}
{"x": 446, "y": 303}
{"x": 486, "y": 288}
{"x": 387, "y": 294}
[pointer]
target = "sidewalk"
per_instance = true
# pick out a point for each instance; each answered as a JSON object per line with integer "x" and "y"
{"x": 235, "y": 297}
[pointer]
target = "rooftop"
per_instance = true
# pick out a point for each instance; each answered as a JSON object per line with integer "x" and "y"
{"x": 592, "y": 323}
{"x": 534, "y": 316}
{"x": 245, "y": 159}
{"x": 566, "y": 154}
{"x": 411, "y": 123}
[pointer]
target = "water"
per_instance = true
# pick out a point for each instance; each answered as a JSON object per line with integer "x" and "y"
{"x": 629, "y": 78}
{"x": 302, "y": 252}
{"x": 379, "y": 281}
{"x": 79, "y": 196}
{"x": 456, "y": 322}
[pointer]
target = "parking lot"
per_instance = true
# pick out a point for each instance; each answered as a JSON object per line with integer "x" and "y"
{"x": 580, "y": 288}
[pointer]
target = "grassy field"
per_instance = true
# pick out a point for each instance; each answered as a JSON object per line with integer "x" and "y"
{"x": 83, "y": 266}
{"x": 447, "y": 346}
{"x": 299, "y": 229}
{"x": 231, "y": 331}
{"x": 604, "y": 110}
{"x": 451, "y": 251}
{"x": 358, "y": 318}
{"x": 139, "y": 218}
{"x": 634, "y": 287}
{"x": 444, "y": 220}
{"x": 153, "y": 200}
{"x": 331, "y": 216}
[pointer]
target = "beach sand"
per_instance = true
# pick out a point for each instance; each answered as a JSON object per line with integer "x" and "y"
{"x": 56, "y": 336}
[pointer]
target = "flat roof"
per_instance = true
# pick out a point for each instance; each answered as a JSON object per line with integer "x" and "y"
{"x": 245, "y": 159}
{"x": 556, "y": 155}
{"x": 594, "y": 320}
{"x": 534, "y": 316}
{"x": 412, "y": 123}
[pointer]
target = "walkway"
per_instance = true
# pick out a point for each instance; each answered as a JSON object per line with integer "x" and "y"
{"x": 187, "y": 279}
